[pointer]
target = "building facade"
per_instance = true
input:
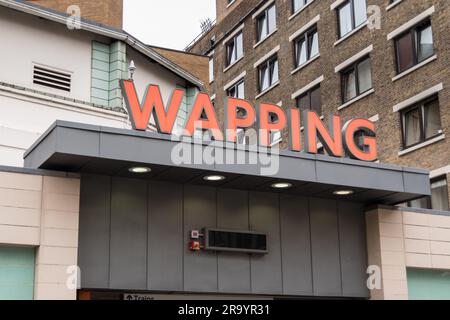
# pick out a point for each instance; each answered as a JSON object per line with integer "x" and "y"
{"x": 378, "y": 59}
{"x": 92, "y": 209}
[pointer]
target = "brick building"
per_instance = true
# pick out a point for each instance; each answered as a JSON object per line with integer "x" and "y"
{"x": 380, "y": 59}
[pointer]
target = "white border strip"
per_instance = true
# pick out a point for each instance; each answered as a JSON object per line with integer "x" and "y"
{"x": 440, "y": 172}
{"x": 422, "y": 145}
{"x": 411, "y": 23}
{"x": 336, "y": 4}
{"x": 267, "y": 56}
{"x": 375, "y": 118}
{"x": 232, "y": 82}
{"x": 353, "y": 59}
{"x": 300, "y": 10}
{"x": 264, "y": 7}
{"x": 304, "y": 28}
{"x": 419, "y": 97}
{"x": 233, "y": 34}
{"x": 393, "y": 4}
{"x": 412, "y": 69}
{"x": 310, "y": 85}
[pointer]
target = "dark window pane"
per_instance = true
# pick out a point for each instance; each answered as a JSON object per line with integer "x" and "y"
{"x": 316, "y": 104}
{"x": 262, "y": 27}
{"x": 349, "y": 79}
{"x": 420, "y": 203}
{"x": 439, "y": 195}
{"x": 263, "y": 78}
{"x": 303, "y": 102}
{"x": 405, "y": 52}
{"x": 412, "y": 127}
{"x": 432, "y": 119}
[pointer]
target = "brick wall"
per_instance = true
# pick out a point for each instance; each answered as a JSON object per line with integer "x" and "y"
{"x": 387, "y": 92}
{"x": 195, "y": 64}
{"x": 107, "y": 12}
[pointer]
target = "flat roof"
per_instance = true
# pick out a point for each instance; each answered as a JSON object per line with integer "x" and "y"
{"x": 81, "y": 148}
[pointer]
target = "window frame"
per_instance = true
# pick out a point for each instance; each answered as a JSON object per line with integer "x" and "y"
{"x": 414, "y": 32}
{"x": 421, "y": 106}
{"x": 428, "y": 199}
{"x": 307, "y": 37}
{"x": 235, "y": 51}
{"x": 305, "y": 3}
{"x": 352, "y": 16}
{"x": 265, "y": 13}
{"x": 309, "y": 95}
{"x": 348, "y": 70}
{"x": 267, "y": 64}
{"x": 235, "y": 86}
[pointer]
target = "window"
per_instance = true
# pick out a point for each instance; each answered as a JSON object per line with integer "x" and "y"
{"x": 310, "y": 100}
{"x": 268, "y": 74}
{"x": 351, "y": 14}
{"x": 237, "y": 90}
{"x": 306, "y": 47}
{"x": 298, "y": 4}
{"x": 266, "y": 23}
{"x": 211, "y": 68}
{"x": 421, "y": 122}
{"x": 356, "y": 79}
{"x": 414, "y": 46}
{"x": 439, "y": 196}
{"x": 234, "y": 49}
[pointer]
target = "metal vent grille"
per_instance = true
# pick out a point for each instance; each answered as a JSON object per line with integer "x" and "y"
{"x": 50, "y": 78}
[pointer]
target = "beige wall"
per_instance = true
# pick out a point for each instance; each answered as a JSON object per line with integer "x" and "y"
{"x": 42, "y": 212}
{"x": 398, "y": 240}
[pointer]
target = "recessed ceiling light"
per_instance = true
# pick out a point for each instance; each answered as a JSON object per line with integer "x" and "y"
{"x": 214, "y": 178}
{"x": 282, "y": 185}
{"x": 343, "y": 192}
{"x": 139, "y": 170}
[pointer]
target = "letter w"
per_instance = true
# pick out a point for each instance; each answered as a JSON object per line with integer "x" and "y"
{"x": 140, "y": 113}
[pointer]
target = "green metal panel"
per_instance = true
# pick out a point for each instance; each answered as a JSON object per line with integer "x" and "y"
{"x": 102, "y": 75}
{"x": 424, "y": 284}
{"x": 100, "y": 84}
{"x": 100, "y": 55}
{"x": 100, "y": 65}
{"x": 101, "y": 102}
{"x": 16, "y": 273}
{"x": 100, "y": 46}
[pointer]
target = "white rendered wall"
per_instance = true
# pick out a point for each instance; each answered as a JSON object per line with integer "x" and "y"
{"x": 25, "y": 115}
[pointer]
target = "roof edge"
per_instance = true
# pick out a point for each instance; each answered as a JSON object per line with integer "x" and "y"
{"x": 98, "y": 29}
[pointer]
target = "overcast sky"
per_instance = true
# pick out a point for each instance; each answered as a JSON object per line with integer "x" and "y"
{"x": 167, "y": 23}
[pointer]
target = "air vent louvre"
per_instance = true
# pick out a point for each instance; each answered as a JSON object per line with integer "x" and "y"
{"x": 51, "y": 78}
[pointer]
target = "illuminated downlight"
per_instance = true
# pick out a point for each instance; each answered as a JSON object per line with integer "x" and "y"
{"x": 281, "y": 185}
{"x": 214, "y": 178}
{"x": 139, "y": 170}
{"x": 343, "y": 192}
